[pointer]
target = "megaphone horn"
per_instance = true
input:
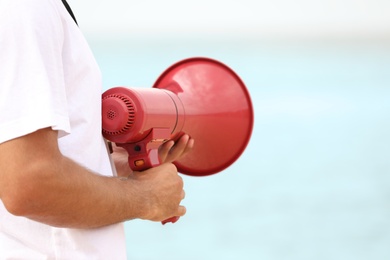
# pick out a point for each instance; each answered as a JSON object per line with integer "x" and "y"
{"x": 198, "y": 96}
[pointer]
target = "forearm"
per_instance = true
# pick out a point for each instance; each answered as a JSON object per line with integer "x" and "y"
{"x": 64, "y": 194}
{"x": 38, "y": 182}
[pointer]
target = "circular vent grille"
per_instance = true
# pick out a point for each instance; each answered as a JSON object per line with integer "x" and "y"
{"x": 120, "y": 112}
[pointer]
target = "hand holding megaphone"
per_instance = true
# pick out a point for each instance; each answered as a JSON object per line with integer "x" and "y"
{"x": 170, "y": 152}
{"x": 200, "y": 97}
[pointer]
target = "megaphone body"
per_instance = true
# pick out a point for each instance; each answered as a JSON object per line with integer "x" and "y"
{"x": 200, "y": 97}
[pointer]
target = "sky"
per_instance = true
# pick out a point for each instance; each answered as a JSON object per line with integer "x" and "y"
{"x": 248, "y": 18}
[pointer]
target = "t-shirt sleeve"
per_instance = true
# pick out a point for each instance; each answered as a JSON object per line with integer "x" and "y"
{"x": 32, "y": 87}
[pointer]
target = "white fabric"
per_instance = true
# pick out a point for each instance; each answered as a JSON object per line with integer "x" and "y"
{"x": 49, "y": 78}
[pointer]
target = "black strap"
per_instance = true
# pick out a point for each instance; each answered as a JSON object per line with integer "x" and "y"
{"x": 69, "y": 10}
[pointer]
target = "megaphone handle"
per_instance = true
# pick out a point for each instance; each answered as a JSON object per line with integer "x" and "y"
{"x": 151, "y": 162}
{"x": 141, "y": 159}
{"x": 152, "y": 155}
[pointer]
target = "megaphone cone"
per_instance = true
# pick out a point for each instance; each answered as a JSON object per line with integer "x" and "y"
{"x": 218, "y": 113}
{"x": 200, "y": 97}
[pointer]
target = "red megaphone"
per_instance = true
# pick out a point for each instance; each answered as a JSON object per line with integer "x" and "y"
{"x": 200, "y": 97}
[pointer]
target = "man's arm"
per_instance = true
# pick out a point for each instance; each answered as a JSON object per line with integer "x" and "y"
{"x": 38, "y": 182}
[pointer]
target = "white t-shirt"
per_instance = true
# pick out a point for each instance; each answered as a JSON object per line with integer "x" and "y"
{"x": 49, "y": 78}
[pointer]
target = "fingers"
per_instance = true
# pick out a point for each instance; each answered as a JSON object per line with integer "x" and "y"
{"x": 171, "y": 151}
{"x": 184, "y": 145}
{"x": 181, "y": 211}
{"x": 164, "y": 150}
{"x": 162, "y": 192}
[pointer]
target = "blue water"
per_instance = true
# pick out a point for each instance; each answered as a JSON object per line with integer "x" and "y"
{"x": 314, "y": 182}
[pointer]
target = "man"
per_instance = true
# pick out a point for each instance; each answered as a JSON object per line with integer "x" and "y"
{"x": 59, "y": 196}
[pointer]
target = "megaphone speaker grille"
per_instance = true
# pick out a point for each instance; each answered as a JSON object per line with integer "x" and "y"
{"x": 114, "y": 107}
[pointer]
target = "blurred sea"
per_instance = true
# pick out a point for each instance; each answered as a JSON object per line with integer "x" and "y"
{"x": 314, "y": 182}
